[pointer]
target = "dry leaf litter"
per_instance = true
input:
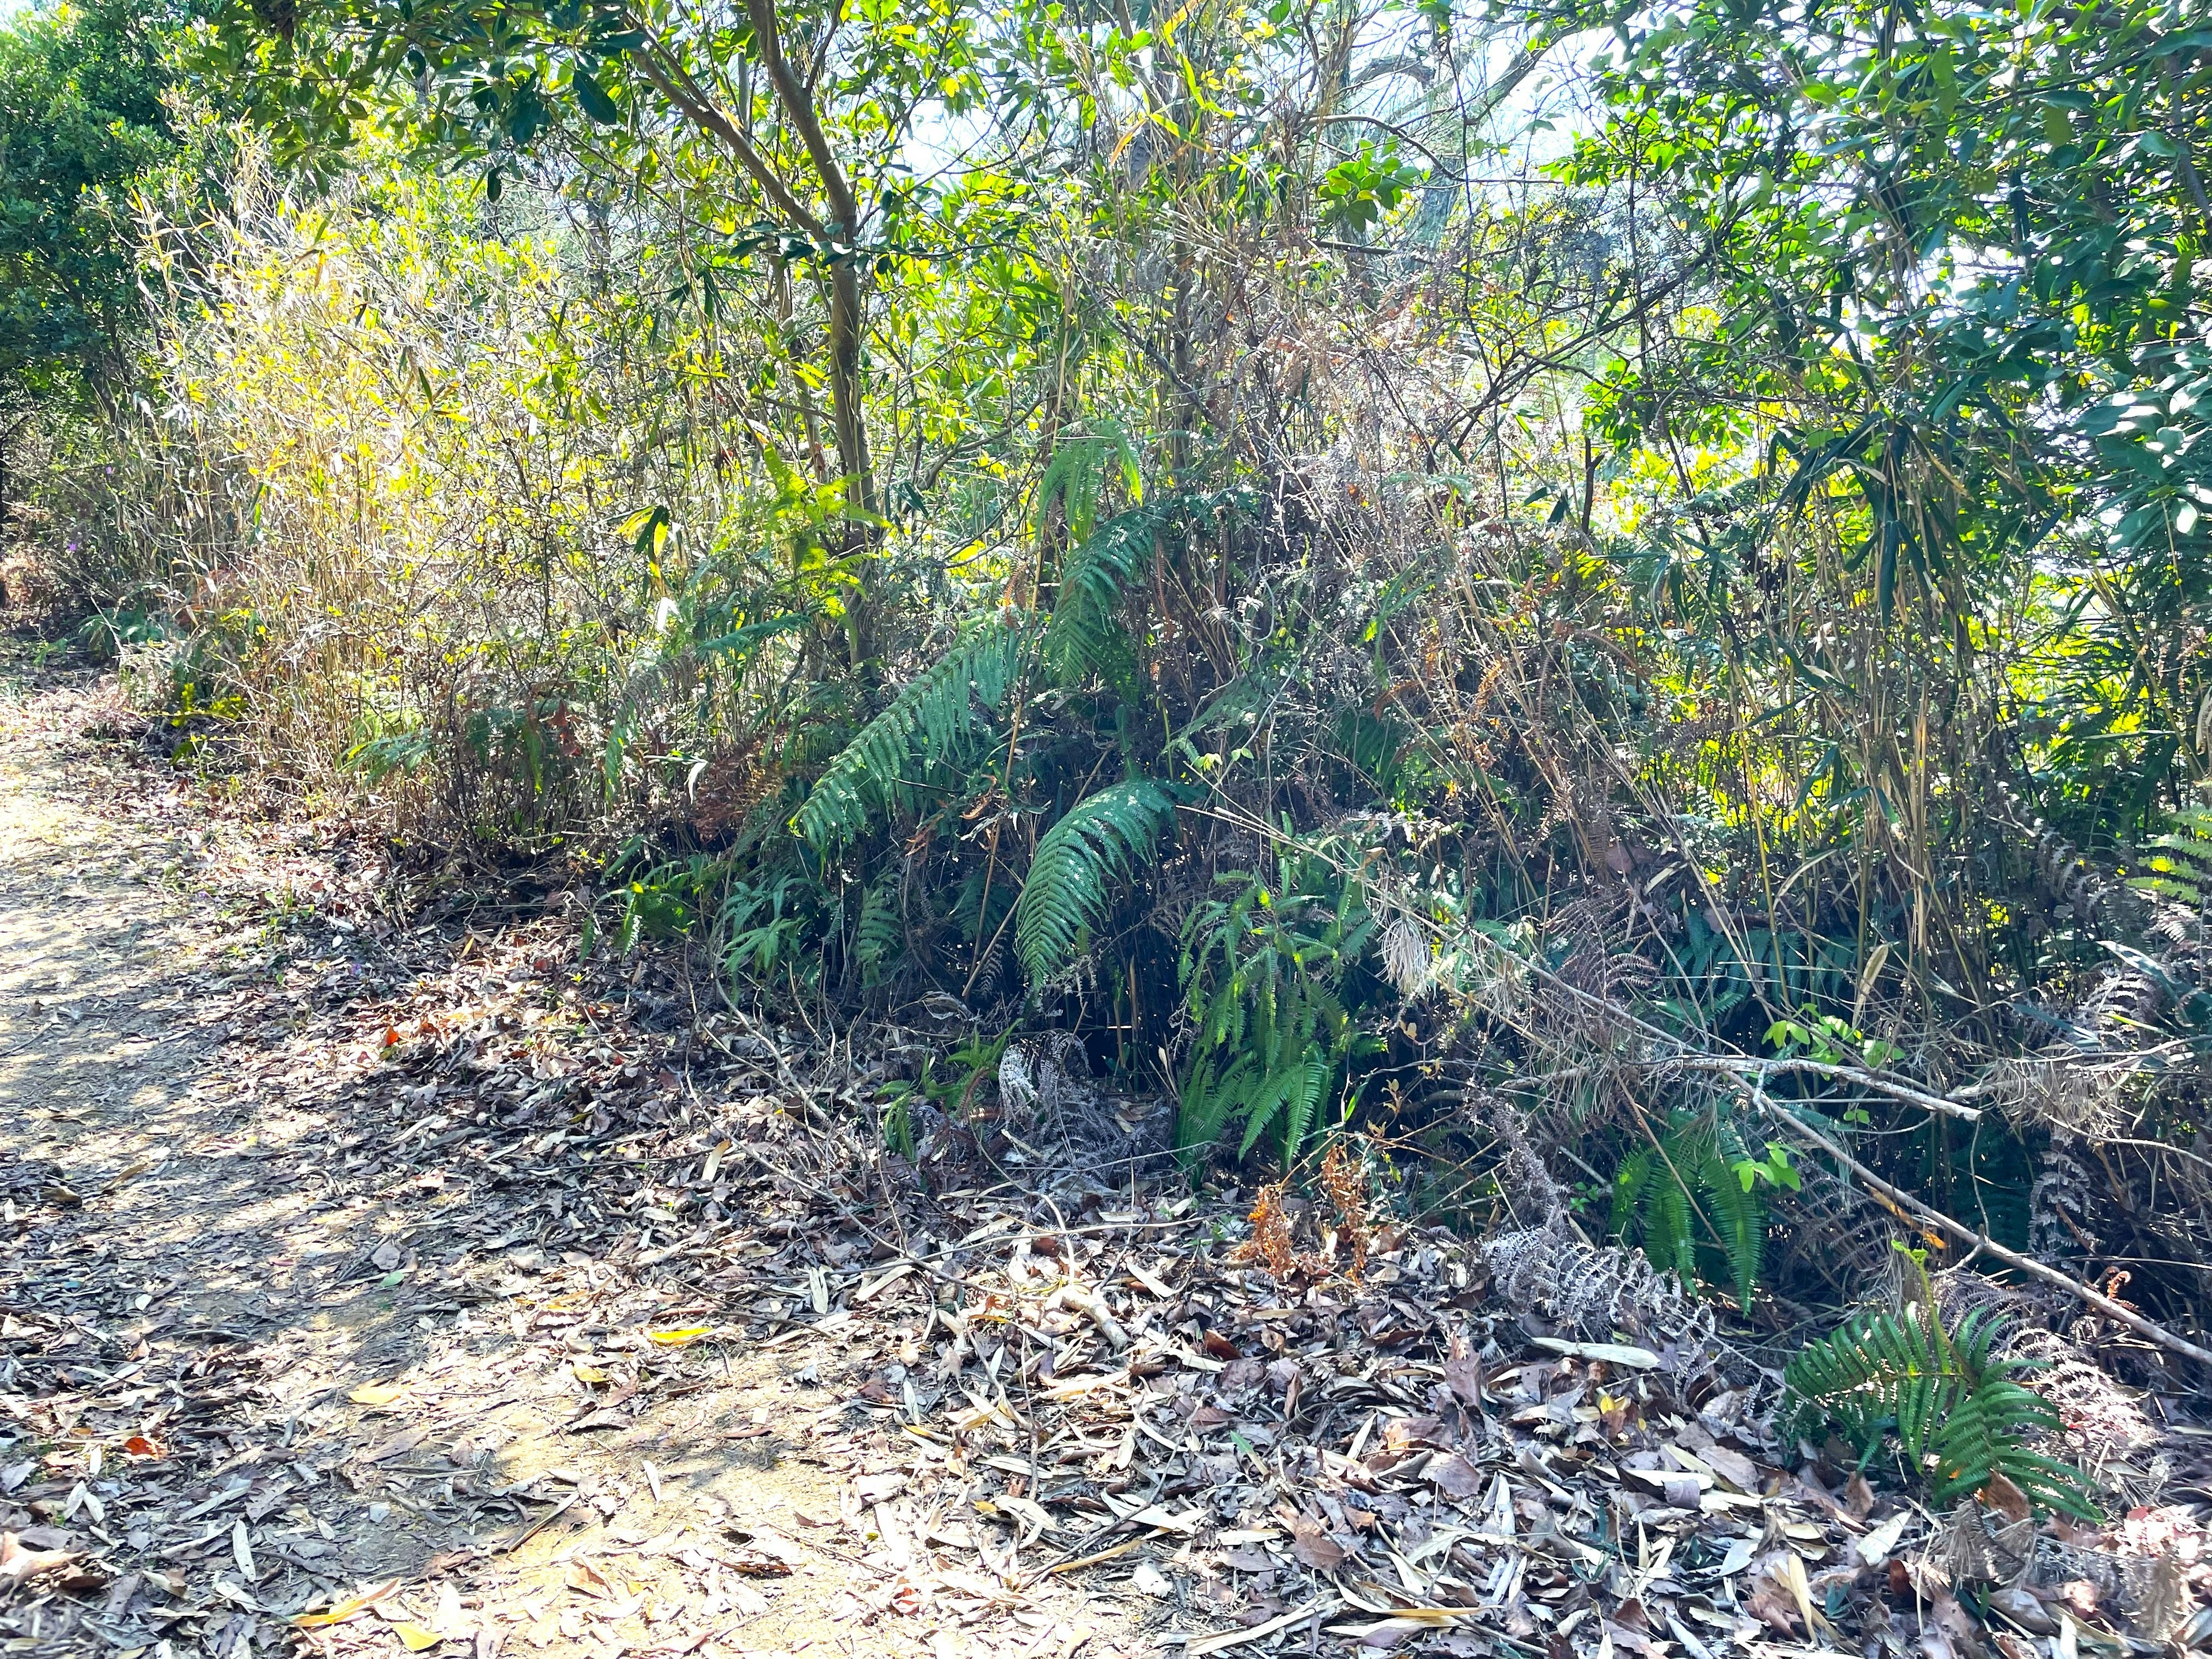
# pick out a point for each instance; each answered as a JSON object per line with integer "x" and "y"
{"x": 381, "y": 1285}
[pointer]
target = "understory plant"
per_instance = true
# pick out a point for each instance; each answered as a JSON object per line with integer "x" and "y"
{"x": 1698, "y": 1184}
{"x": 1263, "y": 974}
{"x": 1950, "y": 1400}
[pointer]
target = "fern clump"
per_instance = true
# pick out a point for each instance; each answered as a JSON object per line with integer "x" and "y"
{"x": 1259, "y": 974}
{"x": 1700, "y": 1175}
{"x": 1957, "y": 1407}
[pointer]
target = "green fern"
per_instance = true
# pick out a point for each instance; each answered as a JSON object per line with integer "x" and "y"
{"x": 1260, "y": 972}
{"x": 1658, "y": 1201}
{"x": 1960, "y": 1412}
{"x": 2181, "y": 865}
{"x": 877, "y": 938}
{"x": 1249, "y": 1091}
{"x": 1083, "y": 637}
{"x": 1076, "y": 475}
{"x": 1099, "y": 840}
{"x": 932, "y": 719}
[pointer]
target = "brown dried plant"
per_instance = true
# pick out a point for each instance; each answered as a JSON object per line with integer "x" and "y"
{"x": 1346, "y": 1191}
{"x": 1270, "y": 1242}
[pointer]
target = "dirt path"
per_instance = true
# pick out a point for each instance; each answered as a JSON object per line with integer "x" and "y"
{"x": 275, "y": 1333}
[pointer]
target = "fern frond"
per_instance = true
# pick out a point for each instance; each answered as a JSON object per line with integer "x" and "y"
{"x": 931, "y": 719}
{"x": 877, "y": 936}
{"x": 1660, "y": 1192}
{"x": 1279, "y": 1087}
{"x": 1098, "y": 841}
{"x": 1083, "y": 635}
{"x": 1319, "y": 1071}
{"x": 1955, "y": 1406}
{"x": 1075, "y": 474}
{"x": 1210, "y": 1096}
{"x": 1740, "y": 1218}
{"x": 1630, "y": 1183}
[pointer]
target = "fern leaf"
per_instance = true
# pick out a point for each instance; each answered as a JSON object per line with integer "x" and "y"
{"x": 1670, "y": 1242}
{"x": 1210, "y": 1097}
{"x": 1740, "y": 1218}
{"x": 1101, "y": 838}
{"x": 877, "y": 936}
{"x": 1953, "y": 1405}
{"x": 1315, "y": 1075}
{"x": 1629, "y": 1183}
{"x": 930, "y": 719}
{"x": 1281, "y": 1086}
{"x": 1083, "y": 637}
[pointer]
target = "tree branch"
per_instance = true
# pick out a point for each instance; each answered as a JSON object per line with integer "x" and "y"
{"x": 1958, "y": 1229}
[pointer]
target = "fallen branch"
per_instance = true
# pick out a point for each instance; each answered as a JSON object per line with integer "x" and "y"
{"x": 1764, "y": 1069}
{"x": 1905, "y": 1201}
{"x": 1092, "y": 1306}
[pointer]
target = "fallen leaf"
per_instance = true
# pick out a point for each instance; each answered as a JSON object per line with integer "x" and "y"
{"x": 2002, "y": 1495}
{"x": 405, "y": 1441}
{"x": 351, "y": 1607}
{"x": 681, "y": 1338}
{"x": 1873, "y": 1549}
{"x": 417, "y": 1637}
{"x": 1463, "y": 1373}
{"x": 1455, "y": 1476}
{"x": 19, "y": 1562}
{"x": 1733, "y": 1467}
{"x": 1312, "y": 1545}
{"x": 376, "y": 1394}
{"x": 1858, "y": 1497}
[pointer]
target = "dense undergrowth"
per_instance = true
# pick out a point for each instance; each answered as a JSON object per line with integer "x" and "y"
{"x": 1234, "y": 544}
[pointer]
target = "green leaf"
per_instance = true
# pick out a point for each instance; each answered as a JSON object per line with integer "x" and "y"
{"x": 1099, "y": 841}
{"x": 597, "y": 105}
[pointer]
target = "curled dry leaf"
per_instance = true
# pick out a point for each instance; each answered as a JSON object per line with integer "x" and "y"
{"x": 19, "y": 1562}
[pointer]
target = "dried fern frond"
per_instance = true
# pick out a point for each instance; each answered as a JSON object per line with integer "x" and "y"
{"x": 1346, "y": 1188}
{"x": 1271, "y": 1243}
{"x": 1594, "y": 1291}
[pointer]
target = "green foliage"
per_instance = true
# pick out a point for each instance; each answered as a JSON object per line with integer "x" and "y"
{"x": 1099, "y": 841}
{"x": 1083, "y": 637}
{"x": 1700, "y": 1179}
{"x": 1075, "y": 477}
{"x": 2180, "y": 861}
{"x": 768, "y": 925}
{"x": 878, "y": 938}
{"x": 1261, "y": 972}
{"x": 81, "y": 124}
{"x": 931, "y": 721}
{"x": 667, "y": 900}
{"x": 1366, "y": 187}
{"x": 1960, "y": 1412}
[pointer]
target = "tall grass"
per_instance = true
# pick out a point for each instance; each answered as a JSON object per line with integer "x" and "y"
{"x": 485, "y": 538}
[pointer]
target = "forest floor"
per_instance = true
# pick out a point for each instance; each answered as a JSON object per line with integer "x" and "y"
{"x": 383, "y": 1275}
{"x": 254, "y": 1358}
